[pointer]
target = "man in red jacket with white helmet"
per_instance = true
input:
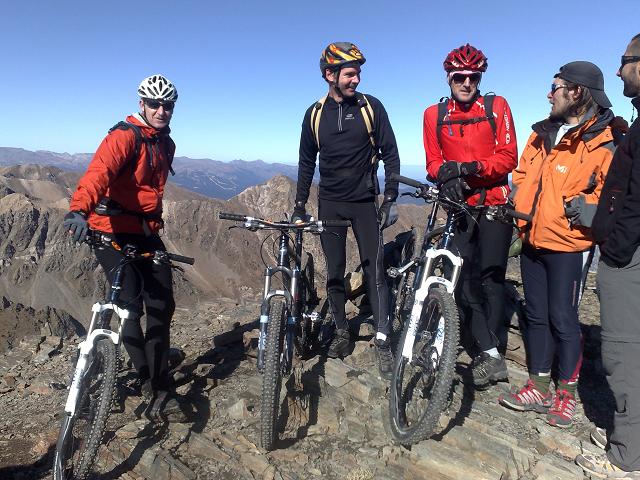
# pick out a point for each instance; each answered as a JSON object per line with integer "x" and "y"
{"x": 127, "y": 174}
{"x": 470, "y": 145}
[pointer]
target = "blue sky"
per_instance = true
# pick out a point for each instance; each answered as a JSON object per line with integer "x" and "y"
{"x": 247, "y": 70}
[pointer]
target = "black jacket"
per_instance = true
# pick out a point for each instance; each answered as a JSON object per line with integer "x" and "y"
{"x": 616, "y": 225}
{"x": 346, "y": 172}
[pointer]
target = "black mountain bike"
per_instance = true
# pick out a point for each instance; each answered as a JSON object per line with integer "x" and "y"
{"x": 287, "y": 322}
{"x": 426, "y": 311}
{"x": 94, "y": 378}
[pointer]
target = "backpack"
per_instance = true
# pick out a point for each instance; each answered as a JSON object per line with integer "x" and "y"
{"x": 139, "y": 138}
{"x": 369, "y": 120}
{"x": 443, "y": 113}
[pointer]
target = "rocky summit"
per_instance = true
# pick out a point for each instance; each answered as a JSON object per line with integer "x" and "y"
{"x": 334, "y": 411}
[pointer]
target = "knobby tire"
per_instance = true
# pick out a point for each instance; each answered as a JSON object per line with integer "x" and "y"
{"x": 272, "y": 377}
{"x": 431, "y": 399}
{"x": 81, "y": 434}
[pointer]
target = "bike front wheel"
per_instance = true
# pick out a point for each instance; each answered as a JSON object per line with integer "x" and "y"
{"x": 272, "y": 377}
{"x": 421, "y": 384}
{"x": 81, "y": 433}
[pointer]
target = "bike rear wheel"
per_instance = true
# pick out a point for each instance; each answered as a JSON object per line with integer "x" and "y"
{"x": 420, "y": 387}
{"x": 272, "y": 377}
{"x": 81, "y": 434}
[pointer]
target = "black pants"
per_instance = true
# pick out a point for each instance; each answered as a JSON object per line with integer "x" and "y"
{"x": 553, "y": 283}
{"x": 364, "y": 221}
{"x": 147, "y": 287}
{"x": 484, "y": 247}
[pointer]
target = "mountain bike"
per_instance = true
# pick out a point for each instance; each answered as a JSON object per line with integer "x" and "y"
{"x": 287, "y": 322}
{"x": 426, "y": 310}
{"x": 94, "y": 378}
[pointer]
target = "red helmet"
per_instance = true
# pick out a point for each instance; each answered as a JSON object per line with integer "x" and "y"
{"x": 466, "y": 57}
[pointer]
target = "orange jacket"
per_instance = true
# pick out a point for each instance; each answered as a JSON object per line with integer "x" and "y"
{"x": 547, "y": 177}
{"x": 134, "y": 184}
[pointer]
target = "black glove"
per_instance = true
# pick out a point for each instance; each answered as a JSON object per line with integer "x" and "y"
{"x": 452, "y": 169}
{"x": 387, "y": 213}
{"x": 76, "y": 225}
{"x": 454, "y": 189}
{"x": 299, "y": 213}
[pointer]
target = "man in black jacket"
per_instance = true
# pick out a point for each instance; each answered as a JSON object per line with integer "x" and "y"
{"x": 351, "y": 132}
{"x": 616, "y": 228}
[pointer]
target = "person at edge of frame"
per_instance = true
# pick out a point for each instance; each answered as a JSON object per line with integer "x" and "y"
{"x": 128, "y": 174}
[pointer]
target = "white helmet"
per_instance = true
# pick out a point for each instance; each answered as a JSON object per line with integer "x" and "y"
{"x": 157, "y": 87}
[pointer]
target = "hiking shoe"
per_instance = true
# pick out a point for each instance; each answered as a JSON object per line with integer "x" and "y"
{"x": 527, "y": 398}
{"x": 166, "y": 407}
{"x": 488, "y": 369}
{"x": 339, "y": 346}
{"x": 385, "y": 358}
{"x": 599, "y": 466}
{"x": 599, "y": 437}
{"x": 561, "y": 412}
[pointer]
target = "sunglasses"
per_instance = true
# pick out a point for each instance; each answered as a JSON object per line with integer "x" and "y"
{"x": 462, "y": 77}
{"x": 155, "y": 105}
{"x": 555, "y": 87}
{"x": 628, "y": 59}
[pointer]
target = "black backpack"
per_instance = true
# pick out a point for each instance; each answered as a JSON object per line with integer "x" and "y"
{"x": 442, "y": 114}
{"x": 139, "y": 138}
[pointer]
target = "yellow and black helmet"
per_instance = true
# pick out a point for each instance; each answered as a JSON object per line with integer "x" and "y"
{"x": 340, "y": 54}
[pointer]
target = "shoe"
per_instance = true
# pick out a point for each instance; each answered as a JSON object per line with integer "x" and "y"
{"x": 339, "y": 346}
{"x": 561, "y": 412}
{"x": 526, "y": 399}
{"x": 599, "y": 437}
{"x": 488, "y": 369}
{"x": 385, "y": 358}
{"x": 599, "y": 466}
{"x": 162, "y": 406}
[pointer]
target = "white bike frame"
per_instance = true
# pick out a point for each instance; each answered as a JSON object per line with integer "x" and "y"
{"x": 421, "y": 293}
{"x": 87, "y": 347}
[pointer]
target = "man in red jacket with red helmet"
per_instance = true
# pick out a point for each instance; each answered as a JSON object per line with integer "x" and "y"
{"x": 127, "y": 175}
{"x": 470, "y": 145}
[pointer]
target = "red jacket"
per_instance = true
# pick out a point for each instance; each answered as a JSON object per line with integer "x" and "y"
{"x": 134, "y": 184}
{"x": 498, "y": 154}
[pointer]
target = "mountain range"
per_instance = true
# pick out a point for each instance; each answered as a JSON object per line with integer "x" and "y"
{"x": 211, "y": 178}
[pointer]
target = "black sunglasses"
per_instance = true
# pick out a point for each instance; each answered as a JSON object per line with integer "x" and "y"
{"x": 155, "y": 104}
{"x": 555, "y": 86}
{"x": 462, "y": 77}
{"x": 628, "y": 59}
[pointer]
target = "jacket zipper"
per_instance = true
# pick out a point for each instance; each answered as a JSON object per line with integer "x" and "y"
{"x": 340, "y": 117}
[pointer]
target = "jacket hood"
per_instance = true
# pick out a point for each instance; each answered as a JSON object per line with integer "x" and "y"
{"x": 548, "y": 129}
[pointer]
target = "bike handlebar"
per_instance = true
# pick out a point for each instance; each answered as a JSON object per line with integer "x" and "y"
{"x": 261, "y": 223}
{"x": 518, "y": 215}
{"x": 181, "y": 258}
{"x": 232, "y": 216}
{"x": 394, "y": 177}
{"x": 430, "y": 192}
{"x": 97, "y": 239}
